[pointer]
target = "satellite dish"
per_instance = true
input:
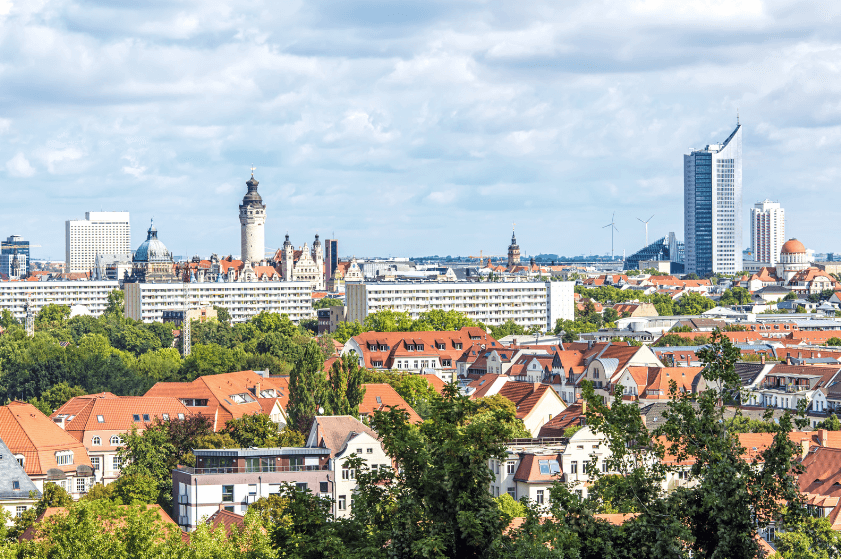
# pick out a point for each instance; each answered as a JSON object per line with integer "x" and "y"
{"x": 321, "y": 410}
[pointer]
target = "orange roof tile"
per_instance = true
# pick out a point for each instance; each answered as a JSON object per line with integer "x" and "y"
{"x": 382, "y": 397}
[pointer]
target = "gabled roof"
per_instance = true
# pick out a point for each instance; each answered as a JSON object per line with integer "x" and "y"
{"x": 382, "y": 397}
{"x": 821, "y": 481}
{"x": 525, "y": 395}
{"x": 119, "y": 413}
{"x": 334, "y": 431}
{"x": 219, "y": 390}
{"x": 28, "y": 432}
{"x": 572, "y": 416}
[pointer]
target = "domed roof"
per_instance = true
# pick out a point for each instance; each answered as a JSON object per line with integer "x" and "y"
{"x": 152, "y": 250}
{"x": 793, "y": 246}
{"x": 252, "y": 198}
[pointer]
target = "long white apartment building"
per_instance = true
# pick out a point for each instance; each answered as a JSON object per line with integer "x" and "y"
{"x": 767, "y": 232}
{"x": 526, "y": 303}
{"x": 98, "y": 233}
{"x": 147, "y": 301}
{"x": 92, "y": 295}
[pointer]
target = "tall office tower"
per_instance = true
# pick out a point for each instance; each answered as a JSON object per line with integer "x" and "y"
{"x": 15, "y": 245}
{"x": 767, "y": 232}
{"x": 98, "y": 233}
{"x": 252, "y": 219}
{"x": 712, "y": 196}
{"x": 331, "y": 257}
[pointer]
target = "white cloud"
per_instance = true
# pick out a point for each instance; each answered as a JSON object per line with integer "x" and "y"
{"x": 18, "y": 166}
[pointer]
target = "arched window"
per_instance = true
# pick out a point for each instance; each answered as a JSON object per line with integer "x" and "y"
{"x": 96, "y": 441}
{"x": 116, "y": 440}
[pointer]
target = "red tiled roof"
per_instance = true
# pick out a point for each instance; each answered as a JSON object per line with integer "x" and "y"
{"x": 382, "y": 397}
{"x": 529, "y": 469}
{"x": 27, "y": 431}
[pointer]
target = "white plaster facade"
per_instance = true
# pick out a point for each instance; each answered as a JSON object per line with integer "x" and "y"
{"x": 92, "y": 295}
{"x": 98, "y": 233}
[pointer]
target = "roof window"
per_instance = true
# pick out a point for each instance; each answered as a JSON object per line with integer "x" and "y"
{"x": 100, "y": 418}
{"x": 136, "y": 417}
{"x": 16, "y": 485}
{"x": 145, "y": 417}
{"x": 180, "y": 416}
{"x": 379, "y": 400}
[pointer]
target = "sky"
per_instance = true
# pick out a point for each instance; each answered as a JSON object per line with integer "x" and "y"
{"x": 412, "y": 128}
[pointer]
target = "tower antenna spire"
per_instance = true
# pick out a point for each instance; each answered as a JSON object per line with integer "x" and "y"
{"x": 737, "y": 116}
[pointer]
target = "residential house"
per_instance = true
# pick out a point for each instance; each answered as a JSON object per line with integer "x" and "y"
{"x": 232, "y": 479}
{"x": 45, "y": 451}
{"x": 608, "y": 364}
{"x": 635, "y": 309}
{"x": 346, "y": 437}
{"x": 100, "y": 421}
{"x": 536, "y": 403}
{"x": 820, "y": 484}
{"x": 528, "y": 470}
{"x": 382, "y": 397}
{"x": 417, "y": 352}
{"x": 784, "y": 386}
{"x": 230, "y": 395}
{"x": 17, "y": 492}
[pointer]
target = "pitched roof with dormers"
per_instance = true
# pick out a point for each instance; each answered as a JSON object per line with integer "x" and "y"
{"x": 334, "y": 431}
{"x": 118, "y": 413}
{"x": 28, "y": 432}
{"x": 529, "y": 469}
{"x": 388, "y": 347}
{"x": 229, "y": 395}
{"x": 820, "y": 482}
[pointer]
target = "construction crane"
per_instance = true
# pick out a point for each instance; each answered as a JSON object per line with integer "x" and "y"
{"x": 481, "y": 257}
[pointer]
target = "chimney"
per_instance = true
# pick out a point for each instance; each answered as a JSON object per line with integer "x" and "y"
{"x": 788, "y": 360}
{"x": 762, "y": 358}
{"x": 804, "y": 448}
{"x": 257, "y": 389}
{"x": 822, "y": 437}
{"x": 583, "y": 407}
{"x": 590, "y": 344}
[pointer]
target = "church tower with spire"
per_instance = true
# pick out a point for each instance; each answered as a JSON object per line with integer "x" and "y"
{"x": 252, "y": 218}
{"x": 513, "y": 251}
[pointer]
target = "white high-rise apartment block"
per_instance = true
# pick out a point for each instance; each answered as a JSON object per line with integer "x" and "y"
{"x": 526, "y": 303}
{"x": 93, "y": 295}
{"x": 242, "y": 299}
{"x": 98, "y": 233}
{"x": 767, "y": 232}
{"x": 712, "y": 193}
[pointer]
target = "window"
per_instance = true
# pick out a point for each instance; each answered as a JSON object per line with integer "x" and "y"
{"x": 342, "y": 502}
{"x": 539, "y": 498}
{"x": 513, "y": 492}
{"x": 20, "y": 459}
{"x": 19, "y": 510}
{"x": 64, "y": 457}
{"x": 96, "y": 441}
{"x": 604, "y": 467}
{"x": 229, "y": 508}
{"x": 369, "y": 450}
{"x": 95, "y": 462}
{"x": 180, "y": 416}
{"x": 323, "y": 487}
{"x": 510, "y": 466}
{"x": 549, "y": 467}
{"x": 117, "y": 462}
{"x": 116, "y": 440}
{"x": 145, "y": 417}
{"x": 252, "y": 489}
{"x": 348, "y": 473}
{"x": 165, "y": 416}
{"x": 80, "y": 485}
{"x": 100, "y": 418}
{"x": 227, "y": 493}
{"x": 359, "y": 451}
{"x": 136, "y": 417}
{"x": 16, "y": 485}
{"x": 301, "y": 486}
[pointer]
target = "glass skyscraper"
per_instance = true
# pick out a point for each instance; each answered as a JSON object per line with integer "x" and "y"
{"x": 14, "y": 245}
{"x": 712, "y": 196}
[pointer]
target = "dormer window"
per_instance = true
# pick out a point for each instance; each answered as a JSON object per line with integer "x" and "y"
{"x": 64, "y": 457}
{"x": 96, "y": 441}
{"x": 116, "y": 440}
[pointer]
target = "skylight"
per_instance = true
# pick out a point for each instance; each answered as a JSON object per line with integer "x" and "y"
{"x": 100, "y": 418}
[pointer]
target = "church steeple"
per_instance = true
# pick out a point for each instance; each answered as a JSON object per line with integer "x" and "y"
{"x": 513, "y": 251}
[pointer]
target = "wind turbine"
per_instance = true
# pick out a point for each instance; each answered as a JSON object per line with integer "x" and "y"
{"x": 646, "y": 228}
{"x": 613, "y": 228}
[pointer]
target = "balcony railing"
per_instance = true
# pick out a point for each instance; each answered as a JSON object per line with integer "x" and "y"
{"x": 250, "y": 469}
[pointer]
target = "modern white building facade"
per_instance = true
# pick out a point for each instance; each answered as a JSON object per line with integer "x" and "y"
{"x": 93, "y": 295}
{"x": 98, "y": 233}
{"x": 767, "y": 232}
{"x": 147, "y": 301}
{"x": 526, "y": 303}
{"x": 713, "y": 207}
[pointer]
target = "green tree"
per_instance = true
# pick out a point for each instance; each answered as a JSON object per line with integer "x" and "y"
{"x": 252, "y": 430}
{"x": 414, "y": 389}
{"x": 831, "y": 423}
{"x": 442, "y": 507}
{"x": 388, "y": 321}
{"x": 116, "y": 303}
{"x": 833, "y": 341}
{"x": 498, "y": 402}
{"x": 808, "y": 538}
{"x": 610, "y": 314}
{"x": 267, "y": 322}
{"x": 692, "y": 303}
{"x": 307, "y": 384}
{"x": 136, "y": 489}
{"x": 147, "y": 456}
{"x": 735, "y": 296}
{"x": 326, "y": 302}
{"x": 212, "y": 359}
{"x": 509, "y": 507}
{"x": 444, "y": 320}
{"x": 52, "y": 315}
{"x": 222, "y": 314}
{"x": 790, "y": 296}
{"x": 344, "y": 387}
{"x": 347, "y": 330}
{"x": 56, "y": 396}
{"x": 7, "y": 319}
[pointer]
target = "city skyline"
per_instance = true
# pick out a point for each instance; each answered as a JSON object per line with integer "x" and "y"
{"x": 411, "y": 133}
